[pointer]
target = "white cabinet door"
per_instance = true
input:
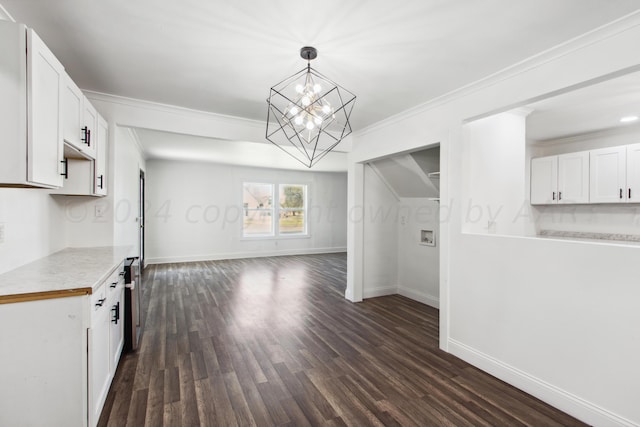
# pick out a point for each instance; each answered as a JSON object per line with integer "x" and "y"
{"x": 99, "y": 363}
{"x": 608, "y": 175}
{"x": 633, "y": 173}
{"x": 45, "y": 77}
{"x": 102, "y": 142}
{"x": 573, "y": 178}
{"x": 72, "y": 114}
{"x": 116, "y": 341}
{"x": 544, "y": 180}
{"x": 89, "y": 129}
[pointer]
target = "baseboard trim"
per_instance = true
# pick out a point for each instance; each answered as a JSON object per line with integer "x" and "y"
{"x": 379, "y": 292}
{"x": 238, "y": 255}
{"x": 557, "y": 397}
{"x": 420, "y": 297}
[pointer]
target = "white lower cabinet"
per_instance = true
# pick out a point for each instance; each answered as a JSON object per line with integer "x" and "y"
{"x": 58, "y": 356}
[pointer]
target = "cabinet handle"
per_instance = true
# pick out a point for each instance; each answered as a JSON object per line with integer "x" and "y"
{"x": 113, "y": 285}
{"x": 65, "y": 162}
{"x": 553, "y": 197}
{"x": 85, "y": 138}
{"x": 101, "y": 178}
{"x": 89, "y": 137}
{"x": 116, "y": 313}
{"x": 629, "y": 194}
{"x": 559, "y": 195}
{"x": 100, "y": 302}
{"x": 621, "y": 193}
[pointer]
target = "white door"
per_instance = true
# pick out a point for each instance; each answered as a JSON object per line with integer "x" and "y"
{"x": 45, "y": 77}
{"x": 72, "y": 113}
{"x": 573, "y": 178}
{"x": 608, "y": 175}
{"x": 116, "y": 340}
{"x": 544, "y": 180}
{"x": 633, "y": 173}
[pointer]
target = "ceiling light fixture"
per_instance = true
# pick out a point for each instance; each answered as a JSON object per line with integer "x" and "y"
{"x": 628, "y": 119}
{"x": 305, "y": 107}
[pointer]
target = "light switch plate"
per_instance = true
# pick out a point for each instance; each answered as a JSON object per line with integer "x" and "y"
{"x": 99, "y": 211}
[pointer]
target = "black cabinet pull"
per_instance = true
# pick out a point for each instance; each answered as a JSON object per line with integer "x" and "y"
{"x": 100, "y": 302}
{"x": 66, "y": 168}
{"x": 621, "y": 193}
{"x": 85, "y": 138}
{"x": 559, "y": 195}
{"x": 116, "y": 313}
{"x": 553, "y": 197}
{"x": 89, "y": 137}
{"x": 113, "y": 285}
{"x": 629, "y": 194}
{"x": 101, "y": 178}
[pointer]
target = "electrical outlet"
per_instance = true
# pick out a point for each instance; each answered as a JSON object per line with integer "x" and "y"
{"x": 1, "y": 233}
{"x": 99, "y": 211}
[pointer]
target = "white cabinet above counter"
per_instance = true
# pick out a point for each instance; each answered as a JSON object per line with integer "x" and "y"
{"x": 600, "y": 176}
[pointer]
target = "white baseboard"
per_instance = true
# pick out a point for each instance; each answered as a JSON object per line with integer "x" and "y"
{"x": 379, "y": 292}
{"x": 238, "y": 255}
{"x": 420, "y": 297}
{"x": 554, "y": 396}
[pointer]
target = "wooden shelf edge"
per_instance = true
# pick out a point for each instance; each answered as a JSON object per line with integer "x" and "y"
{"x": 37, "y": 296}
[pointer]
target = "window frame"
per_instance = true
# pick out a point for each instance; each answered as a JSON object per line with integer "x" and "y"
{"x": 276, "y": 210}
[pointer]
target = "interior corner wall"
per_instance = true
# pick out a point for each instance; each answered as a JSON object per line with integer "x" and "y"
{"x": 555, "y": 318}
{"x": 380, "y": 218}
{"x": 419, "y": 264}
{"x": 194, "y": 212}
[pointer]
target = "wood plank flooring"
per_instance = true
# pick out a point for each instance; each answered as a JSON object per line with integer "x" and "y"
{"x": 273, "y": 342}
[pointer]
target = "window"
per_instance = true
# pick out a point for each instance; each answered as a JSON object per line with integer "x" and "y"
{"x": 259, "y": 210}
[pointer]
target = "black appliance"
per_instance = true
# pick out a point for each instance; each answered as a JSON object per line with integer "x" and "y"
{"x": 133, "y": 306}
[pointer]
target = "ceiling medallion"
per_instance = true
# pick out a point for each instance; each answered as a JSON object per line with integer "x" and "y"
{"x": 308, "y": 113}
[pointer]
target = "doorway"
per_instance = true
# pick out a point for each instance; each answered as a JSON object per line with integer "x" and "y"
{"x": 141, "y": 218}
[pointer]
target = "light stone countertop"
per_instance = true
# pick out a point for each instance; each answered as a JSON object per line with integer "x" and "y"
{"x": 71, "y": 271}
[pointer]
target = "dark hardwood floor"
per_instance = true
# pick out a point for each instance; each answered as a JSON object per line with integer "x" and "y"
{"x": 272, "y": 341}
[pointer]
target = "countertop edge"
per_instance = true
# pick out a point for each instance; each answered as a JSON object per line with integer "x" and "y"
{"x": 37, "y": 296}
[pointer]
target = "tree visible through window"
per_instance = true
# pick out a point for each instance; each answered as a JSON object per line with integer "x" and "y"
{"x": 259, "y": 209}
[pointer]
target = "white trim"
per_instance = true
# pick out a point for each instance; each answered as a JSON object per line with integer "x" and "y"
{"x": 5, "y": 15}
{"x": 239, "y": 255}
{"x": 136, "y": 139}
{"x": 566, "y": 48}
{"x": 422, "y": 297}
{"x": 380, "y": 292}
{"x": 555, "y": 396}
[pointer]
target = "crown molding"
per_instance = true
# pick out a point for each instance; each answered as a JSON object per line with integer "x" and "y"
{"x": 572, "y": 45}
{"x": 620, "y": 130}
{"x": 171, "y": 109}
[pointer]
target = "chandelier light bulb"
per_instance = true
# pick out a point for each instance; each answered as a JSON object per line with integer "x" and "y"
{"x": 317, "y": 88}
{"x": 293, "y": 111}
{"x": 310, "y": 125}
{"x": 305, "y": 101}
{"x": 299, "y": 88}
{"x": 326, "y": 109}
{"x": 298, "y": 120}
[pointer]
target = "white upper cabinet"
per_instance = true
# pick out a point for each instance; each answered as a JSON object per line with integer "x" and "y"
{"x": 633, "y": 173}
{"x": 608, "y": 175}
{"x": 544, "y": 180}
{"x": 573, "y": 178}
{"x": 31, "y": 88}
{"x": 562, "y": 179}
{"x": 89, "y": 128}
{"x": 102, "y": 142}
{"x": 72, "y": 113}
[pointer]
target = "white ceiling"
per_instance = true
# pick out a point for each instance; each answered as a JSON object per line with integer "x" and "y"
{"x": 223, "y": 56}
{"x": 590, "y": 109}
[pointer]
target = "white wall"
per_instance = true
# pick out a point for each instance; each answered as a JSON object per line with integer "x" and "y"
{"x": 379, "y": 216}
{"x": 610, "y": 218}
{"x": 418, "y": 265}
{"x": 194, "y": 212}
{"x": 557, "y": 319}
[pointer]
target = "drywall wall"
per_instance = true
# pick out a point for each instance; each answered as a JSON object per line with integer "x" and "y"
{"x": 379, "y": 216}
{"x": 418, "y": 263}
{"x": 557, "y": 319}
{"x": 33, "y": 226}
{"x": 194, "y": 212}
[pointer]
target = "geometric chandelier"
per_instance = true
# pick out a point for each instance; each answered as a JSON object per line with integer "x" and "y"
{"x": 308, "y": 113}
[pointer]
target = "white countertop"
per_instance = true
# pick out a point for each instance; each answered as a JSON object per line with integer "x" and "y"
{"x": 76, "y": 270}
